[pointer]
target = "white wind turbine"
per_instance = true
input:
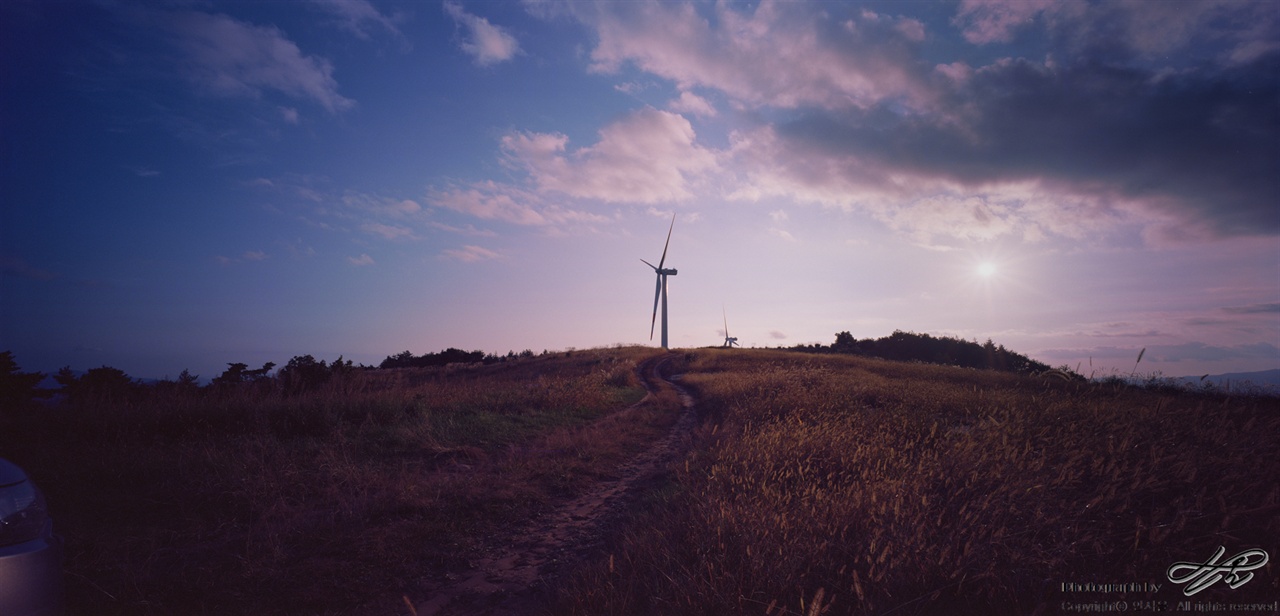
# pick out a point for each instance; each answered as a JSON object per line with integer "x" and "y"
{"x": 729, "y": 341}
{"x": 661, "y": 291}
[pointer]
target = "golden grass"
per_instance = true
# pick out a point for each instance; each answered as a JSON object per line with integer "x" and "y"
{"x": 869, "y": 487}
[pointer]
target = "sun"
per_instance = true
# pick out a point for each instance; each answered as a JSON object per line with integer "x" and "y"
{"x": 986, "y": 269}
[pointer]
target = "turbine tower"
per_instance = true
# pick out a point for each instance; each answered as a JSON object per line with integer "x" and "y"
{"x": 661, "y": 292}
{"x": 729, "y": 341}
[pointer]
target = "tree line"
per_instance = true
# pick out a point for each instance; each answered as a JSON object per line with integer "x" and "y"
{"x": 910, "y": 346}
{"x": 300, "y": 374}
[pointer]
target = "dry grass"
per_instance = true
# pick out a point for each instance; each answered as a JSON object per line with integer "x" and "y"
{"x": 333, "y": 502}
{"x": 819, "y": 484}
{"x": 854, "y": 486}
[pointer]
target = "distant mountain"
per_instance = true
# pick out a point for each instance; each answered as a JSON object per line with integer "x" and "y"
{"x": 1266, "y": 380}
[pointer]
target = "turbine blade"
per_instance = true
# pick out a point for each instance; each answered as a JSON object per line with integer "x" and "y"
{"x": 726, "y": 321}
{"x": 664, "y": 246}
{"x": 649, "y": 264}
{"x": 657, "y": 292}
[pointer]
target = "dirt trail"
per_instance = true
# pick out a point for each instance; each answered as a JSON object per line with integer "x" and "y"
{"x": 509, "y": 578}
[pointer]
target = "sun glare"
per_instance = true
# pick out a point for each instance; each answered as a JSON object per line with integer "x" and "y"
{"x": 986, "y": 269}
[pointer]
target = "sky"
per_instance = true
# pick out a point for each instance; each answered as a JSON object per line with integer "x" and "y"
{"x": 191, "y": 183}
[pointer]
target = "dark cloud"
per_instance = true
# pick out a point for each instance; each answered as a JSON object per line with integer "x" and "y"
{"x": 1202, "y": 147}
{"x": 1254, "y": 309}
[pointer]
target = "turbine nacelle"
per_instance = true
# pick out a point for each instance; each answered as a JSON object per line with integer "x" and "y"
{"x": 659, "y": 270}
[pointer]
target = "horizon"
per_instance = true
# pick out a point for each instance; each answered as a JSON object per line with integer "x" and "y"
{"x": 188, "y": 186}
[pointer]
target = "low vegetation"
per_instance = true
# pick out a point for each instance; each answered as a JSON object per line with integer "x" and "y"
{"x": 819, "y": 483}
{"x": 876, "y": 487}
{"x": 331, "y": 495}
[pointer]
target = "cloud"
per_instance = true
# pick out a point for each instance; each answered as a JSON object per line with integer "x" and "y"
{"x": 691, "y": 103}
{"x": 995, "y": 21}
{"x": 382, "y": 207}
{"x": 782, "y": 234}
{"x": 1229, "y": 31}
{"x": 233, "y": 58}
{"x": 360, "y": 17}
{"x": 488, "y": 44}
{"x": 1063, "y": 150}
{"x": 648, "y": 156}
{"x": 289, "y": 114}
{"x": 390, "y": 232}
{"x": 1123, "y": 128}
{"x": 248, "y": 255}
{"x": 782, "y": 54}
{"x": 1266, "y": 308}
{"x": 470, "y": 254}
{"x": 464, "y": 230}
{"x": 491, "y": 201}
{"x": 361, "y": 260}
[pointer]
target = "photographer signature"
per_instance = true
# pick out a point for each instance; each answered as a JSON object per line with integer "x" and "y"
{"x": 1234, "y": 571}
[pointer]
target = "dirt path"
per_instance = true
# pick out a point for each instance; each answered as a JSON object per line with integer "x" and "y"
{"x": 509, "y": 579}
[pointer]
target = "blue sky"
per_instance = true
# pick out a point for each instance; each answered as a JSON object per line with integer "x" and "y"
{"x": 190, "y": 183}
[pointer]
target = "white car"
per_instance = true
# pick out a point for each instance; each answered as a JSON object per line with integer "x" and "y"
{"x": 30, "y": 554}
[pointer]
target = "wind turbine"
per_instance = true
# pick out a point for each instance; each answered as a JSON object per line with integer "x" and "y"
{"x": 729, "y": 342}
{"x": 661, "y": 291}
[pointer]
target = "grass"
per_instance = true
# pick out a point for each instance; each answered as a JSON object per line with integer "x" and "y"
{"x": 862, "y": 486}
{"x": 338, "y": 501}
{"x": 818, "y": 484}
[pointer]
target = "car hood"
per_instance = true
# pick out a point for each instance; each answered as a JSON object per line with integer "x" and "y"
{"x": 10, "y": 473}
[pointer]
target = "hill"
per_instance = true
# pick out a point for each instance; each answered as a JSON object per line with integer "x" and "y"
{"x": 811, "y": 483}
{"x": 1267, "y": 381}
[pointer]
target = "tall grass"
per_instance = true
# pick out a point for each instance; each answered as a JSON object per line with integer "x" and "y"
{"x": 868, "y": 487}
{"x": 335, "y": 501}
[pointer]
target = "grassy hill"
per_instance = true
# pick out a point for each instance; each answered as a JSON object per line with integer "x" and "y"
{"x": 880, "y": 487}
{"x": 861, "y": 485}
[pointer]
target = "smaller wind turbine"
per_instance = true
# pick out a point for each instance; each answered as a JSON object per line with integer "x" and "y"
{"x": 729, "y": 341}
{"x": 661, "y": 291}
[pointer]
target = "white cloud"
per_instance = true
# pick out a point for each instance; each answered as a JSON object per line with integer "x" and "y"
{"x": 470, "y": 254}
{"x": 781, "y": 54}
{"x": 649, "y": 156}
{"x": 996, "y": 21}
{"x": 254, "y": 255}
{"x": 491, "y": 201}
{"x": 382, "y": 207}
{"x": 782, "y": 234}
{"x": 465, "y": 230}
{"x": 289, "y": 114}
{"x": 234, "y": 58}
{"x": 360, "y": 17}
{"x": 391, "y": 232}
{"x": 361, "y": 260}
{"x": 691, "y": 103}
{"x": 487, "y": 43}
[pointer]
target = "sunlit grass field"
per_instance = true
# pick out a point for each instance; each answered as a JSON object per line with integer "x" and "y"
{"x": 835, "y": 484}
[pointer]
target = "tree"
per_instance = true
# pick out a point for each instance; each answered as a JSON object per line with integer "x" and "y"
{"x": 304, "y": 373}
{"x": 99, "y": 385}
{"x": 237, "y": 373}
{"x": 17, "y": 389}
{"x": 845, "y": 343}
